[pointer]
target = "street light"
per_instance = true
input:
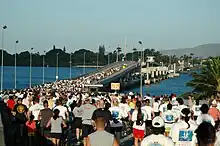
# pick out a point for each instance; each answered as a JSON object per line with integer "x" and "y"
{"x": 141, "y": 80}
{"x": 57, "y": 65}
{"x": 30, "y": 68}
{"x": 16, "y": 64}
{"x": 84, "y": 63}
{"x": 43, "y": 64}
{"x": 70, "y": 65}
{"x": 3, "y": 28}
{"x": 97, "y": 61}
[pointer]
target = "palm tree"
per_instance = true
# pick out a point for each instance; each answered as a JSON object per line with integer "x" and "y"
{"x": 207, "y": 82}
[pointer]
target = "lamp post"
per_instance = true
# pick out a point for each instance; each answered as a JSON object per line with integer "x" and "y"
{"x": 84, "y": 63}
{"x": 97, "y": 61}
{"x": 43, "y": 65}
{"x": 141, "y": 80}
{"x": 108, "y": 56}
{"x": 2, "y": 71}
{"x": 15, "y": 74}
{"x": 30, "y": 76}
{"x": 57, "y": 66}
{"x": 70, "y": 65}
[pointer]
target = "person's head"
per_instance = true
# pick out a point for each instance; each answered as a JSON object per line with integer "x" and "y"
{"x": 58, "y": 102}
{"x": 158, "y": 125}
{"x": 31, "y": 118}
{"x": 56, "y": 113}
{"x": 107, "y": 105}
{"x": 100, "y": 123}
{"x": 115, "y": 102}
{"x": 180, "y": 101}
{"x": 45, "y": 103}
{"x": 185, "y": 115}
{"x": 101, "y": 103}
{"x": 206, "y": 134}
{"x": 123, "y": 100}
{"x": 204, "y": 109}
{"x": 147, "y": 102}
{"x": 214, "y": 103}
{"x": 19, "y": 101}
{"x": 157, "y": 99}
{"x": 36, "y": 100}
{"x": 87, "y": 100}
{"x": 169, "y": 106}
{"x": 11, "y": 97}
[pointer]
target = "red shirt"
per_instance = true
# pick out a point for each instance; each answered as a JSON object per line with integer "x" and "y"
{"x": 11, "y": 103}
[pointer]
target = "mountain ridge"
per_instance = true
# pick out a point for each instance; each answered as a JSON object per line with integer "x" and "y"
{"x": 203, "y": 50}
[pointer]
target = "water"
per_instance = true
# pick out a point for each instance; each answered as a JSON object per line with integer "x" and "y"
{"x": 174, "y": 85}
{"x": 37, "y": 75}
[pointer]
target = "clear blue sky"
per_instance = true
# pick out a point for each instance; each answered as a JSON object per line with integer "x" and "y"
{"x": 160, "y": 24}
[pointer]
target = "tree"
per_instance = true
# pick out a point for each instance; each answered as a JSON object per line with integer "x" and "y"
{"x": 207, "y": 82}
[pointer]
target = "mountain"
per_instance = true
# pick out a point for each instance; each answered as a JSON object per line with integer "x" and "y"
{"x": 204, "y": 50}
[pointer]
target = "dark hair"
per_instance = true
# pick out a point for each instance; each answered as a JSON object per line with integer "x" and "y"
{"x": 186, "y": 116}
{"x": 139, "y": 114}
{"x": 123, "y": 99}
{"x": 180, "y": 101}
{"x": 45, "y": 102}
{"x": 158, "y": 130}
{"x": 205, "y": 134}
{"x": 204, "y": 108}
{"x": 157, "y": 99}
{"x": 169, "y": 106}
{"x": 79, "y": 103}
{"x": 197, "y": 102}
{"x": 31, "y": 119}
{"x": 56, "y": 113}
{"x": 107, "y": 105}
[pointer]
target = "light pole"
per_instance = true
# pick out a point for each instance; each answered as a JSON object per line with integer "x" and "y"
{"x": 108, "y": 56}
{"x": 70, "y": 65}
{"x": 30, "y": 76}
{"x": 2, "y": 71}
{"x": 97, "y": 61}
{"x": 84, "y": 63}
{"x": 57, "y": 65}
{"x": 43, "y": 65}
{"x": 141, "y": 80}
{"x": 15, "y": 74}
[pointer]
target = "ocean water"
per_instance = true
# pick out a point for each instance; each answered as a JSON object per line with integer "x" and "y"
{"x": 174, "y": 85}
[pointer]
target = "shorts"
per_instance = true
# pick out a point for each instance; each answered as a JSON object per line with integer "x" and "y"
{"x": 77, "y": 123}
{"x": 86, "y": 130}
{"x": 138, "y": 133}
{"x": 56, "y": 135}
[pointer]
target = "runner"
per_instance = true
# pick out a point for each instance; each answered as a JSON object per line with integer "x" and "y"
{"x": 205, "y": 117}
{"x": 214, "y": 112}
{"x": 157, "y": 138}
{"x": 182, "y": 133}
{"x": 196, "y": 110}
{"x": 156, "y": 107}
{"x": 139, "y": 118}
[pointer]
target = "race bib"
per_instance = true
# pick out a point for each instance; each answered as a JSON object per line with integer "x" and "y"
{"x": 115, "y": 115}
{"x": 185, "y": 137}
{"x": 169, "y": 118}
{"x": 155, "y": 144}
{"x": 197, "y": 109}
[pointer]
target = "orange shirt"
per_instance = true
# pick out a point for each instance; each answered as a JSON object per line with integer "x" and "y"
{"x": 214, "y": 112}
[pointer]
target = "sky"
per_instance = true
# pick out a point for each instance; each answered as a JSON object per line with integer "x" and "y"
{"x": 75, "y": 24}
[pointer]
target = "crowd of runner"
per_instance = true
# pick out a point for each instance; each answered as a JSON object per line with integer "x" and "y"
{"x": 36, "y": 117}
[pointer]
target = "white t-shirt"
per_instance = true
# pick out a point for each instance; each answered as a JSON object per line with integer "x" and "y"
{"x": 163, "y": 107}
{"x": 134, "y": 119}
{"x": 169, "y": 118}
{"x": 35, "y": 110}
{"x": 156, "y": 107}
{"x": 117, "y": 115}
{"x": 205, "y": 118}
{"x": 157, "y": 140}
{"x": 196, "y": 110}
{"x": 63, "y": 111}
{"x": 125, "y": 108}
{"x": 217, "y": 142}
{"x": 149, "y": 111}
{"x": 182, "y": 136}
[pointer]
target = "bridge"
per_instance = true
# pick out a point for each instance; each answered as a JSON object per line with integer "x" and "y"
{"x": 127, "y": 73}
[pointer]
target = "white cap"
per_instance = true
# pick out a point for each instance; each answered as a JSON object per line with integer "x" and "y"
{"x": 158, "y": 122}
{"x": 131, "y": 93}
{"x": 214, "y": 102}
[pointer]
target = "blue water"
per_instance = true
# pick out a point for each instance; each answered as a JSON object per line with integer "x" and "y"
{"x": 174, "y": 85}
{"x": 37, "y": 75}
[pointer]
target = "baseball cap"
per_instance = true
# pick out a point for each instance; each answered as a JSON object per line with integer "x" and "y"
{"x": 158, "y": 122}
